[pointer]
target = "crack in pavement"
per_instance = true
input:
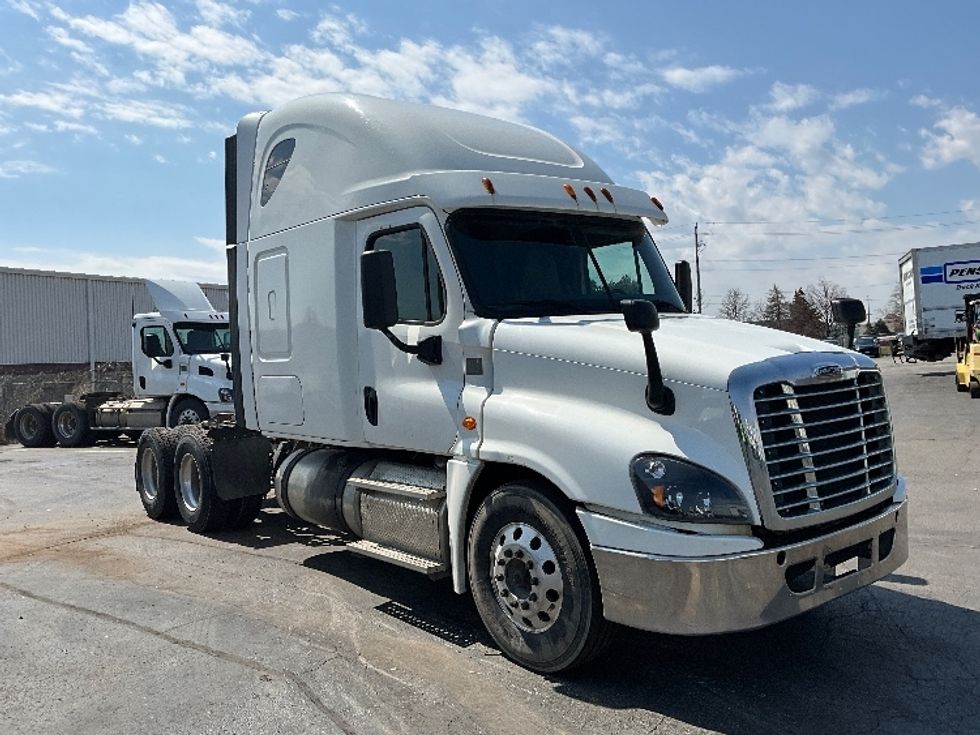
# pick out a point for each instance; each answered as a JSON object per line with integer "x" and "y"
{"x": 290, "y": 676}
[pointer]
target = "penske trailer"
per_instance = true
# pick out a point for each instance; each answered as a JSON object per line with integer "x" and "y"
{"x": 455, "y": 341}
{"x": 934, "y": 282}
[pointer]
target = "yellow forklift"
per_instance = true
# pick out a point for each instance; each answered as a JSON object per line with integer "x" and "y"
{"x": 968, "y": 348}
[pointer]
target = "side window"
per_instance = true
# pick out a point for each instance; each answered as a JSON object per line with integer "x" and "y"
{"x": 156, "y": 342}
{"x": 620, "y": 267}
{"x": 275, "y": 167}
{"x": 421, "y": 291}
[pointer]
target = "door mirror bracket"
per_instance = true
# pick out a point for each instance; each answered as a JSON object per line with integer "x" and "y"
{"x": 642, "y": 316}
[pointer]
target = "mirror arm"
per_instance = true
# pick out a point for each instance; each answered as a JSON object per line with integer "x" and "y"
{"x": 429, "y": 350}
{"x": 660, "y": 398}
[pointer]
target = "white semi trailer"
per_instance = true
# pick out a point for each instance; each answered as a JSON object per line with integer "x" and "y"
{"x": 934, "y": 282}
{"x": 454, "y": 340}
{"x": 181, "y": 374}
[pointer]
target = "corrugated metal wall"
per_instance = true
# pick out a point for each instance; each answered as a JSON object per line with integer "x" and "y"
{"x": 63, "y": 318}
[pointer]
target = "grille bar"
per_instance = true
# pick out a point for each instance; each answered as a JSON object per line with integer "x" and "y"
{"x": 825, "y": 444}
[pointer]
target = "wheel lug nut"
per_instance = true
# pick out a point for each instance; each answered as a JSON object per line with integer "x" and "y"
{"x": 533, "y": 597}
{"x": 534, "y": 581}
{"x": 524, "y": 606}
{"x": 530, "y": 564}
{"x": 519, "y": 554}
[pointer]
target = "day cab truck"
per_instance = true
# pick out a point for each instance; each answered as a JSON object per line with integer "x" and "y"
{"x": 455, "y": 341}
{"x": 181, "y": 374}
{"x": 934, "y": 282}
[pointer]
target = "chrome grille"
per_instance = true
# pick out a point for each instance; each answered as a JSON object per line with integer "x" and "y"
{"x": 826, "y": 444}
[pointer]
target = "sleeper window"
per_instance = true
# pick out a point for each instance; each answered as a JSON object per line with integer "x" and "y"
{"x": 275, "y": 167}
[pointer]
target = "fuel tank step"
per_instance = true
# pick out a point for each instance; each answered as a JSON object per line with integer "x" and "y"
{"x": 397, "y": 488}
{"x": 432, "y": 569}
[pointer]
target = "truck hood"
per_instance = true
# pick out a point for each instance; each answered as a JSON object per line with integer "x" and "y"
{"x": 692, "y": 349}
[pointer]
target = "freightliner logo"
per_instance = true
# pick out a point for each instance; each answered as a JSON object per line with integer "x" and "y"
{"x": 962, "y": 271}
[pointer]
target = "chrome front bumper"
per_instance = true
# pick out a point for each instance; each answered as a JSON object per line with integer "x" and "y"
{"x": 698, "y": 596}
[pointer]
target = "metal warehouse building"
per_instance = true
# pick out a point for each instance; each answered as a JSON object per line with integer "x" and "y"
{"x": 64, "y": 333}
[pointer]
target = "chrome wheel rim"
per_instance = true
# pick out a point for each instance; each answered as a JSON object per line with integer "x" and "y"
{"x": 148, "y": 475}
{"x": 526, "y": 577}
{"x": 189, "y": 416}
{"x": 189, "y": 480}
{"x": 29, "y": 426}
{"x": 67, "y": 423}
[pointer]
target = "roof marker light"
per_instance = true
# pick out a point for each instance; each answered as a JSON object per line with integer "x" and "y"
{"x": 591, "y": 194}
{"x": 488, "y": 185}
{"x": 570, "y": 190}
{"x": 606, "y": 194}
{"x": 657, "y": 204}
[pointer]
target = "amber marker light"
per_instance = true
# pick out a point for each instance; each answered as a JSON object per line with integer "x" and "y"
{"x": 605, "y": 192}
{"x": 657, "y": 204}
{"x": 488, "y": 185}
{"x": 469, "y": 423}
{"x": 590, "y": 194}
{"x": 570, "y": 190}
{"x": 657, "y": 495}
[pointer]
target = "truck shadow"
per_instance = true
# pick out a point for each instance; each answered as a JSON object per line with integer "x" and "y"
{"x": 879, "y": 659}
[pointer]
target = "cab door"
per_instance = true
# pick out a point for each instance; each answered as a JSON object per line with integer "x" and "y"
{"x": 155, "y": 368}
{"x": 408, "y": 404}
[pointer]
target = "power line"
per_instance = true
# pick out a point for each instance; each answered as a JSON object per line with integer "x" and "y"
{"x": 837, "y": 221}
{"x": 821, "y": 258}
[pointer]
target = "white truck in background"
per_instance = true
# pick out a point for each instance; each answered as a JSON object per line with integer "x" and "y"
{"x": 934, "y": 282}
{"x": 454, "y": 340}
{"x": 181, "y": 374}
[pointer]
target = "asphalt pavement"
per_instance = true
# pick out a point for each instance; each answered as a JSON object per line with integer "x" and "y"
{"x": 112, "y": 623}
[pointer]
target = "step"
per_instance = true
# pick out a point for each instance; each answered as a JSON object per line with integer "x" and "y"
{"x": 399, "y": 558}
{"x": 415, "y": 492}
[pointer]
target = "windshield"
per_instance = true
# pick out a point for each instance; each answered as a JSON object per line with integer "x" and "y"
{"x": 203, "y": 338}
{"x": 536, "y": 264}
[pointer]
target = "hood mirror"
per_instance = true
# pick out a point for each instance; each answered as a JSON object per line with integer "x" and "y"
{"x": 642, "y": 316}
{"x": 850, "y": 313}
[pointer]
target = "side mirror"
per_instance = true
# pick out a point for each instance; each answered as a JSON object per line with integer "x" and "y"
{"x": 685, "y": 287}
{"x": 642, "y": 316}
{"x": 849, "y": 312}
{"x": 379, "y": 298}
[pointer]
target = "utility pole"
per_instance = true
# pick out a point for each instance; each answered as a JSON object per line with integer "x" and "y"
{"x": 697, "y": 266}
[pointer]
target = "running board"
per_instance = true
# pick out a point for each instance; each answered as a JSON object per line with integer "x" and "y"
{"x": 374, "y": 550}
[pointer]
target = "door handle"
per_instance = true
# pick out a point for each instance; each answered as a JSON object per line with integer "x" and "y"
{"x": 371, "y": 405}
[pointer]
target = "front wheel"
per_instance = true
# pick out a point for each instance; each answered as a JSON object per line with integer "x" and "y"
{"x": 188, "y": 411}
{"x": 532, "y": 580}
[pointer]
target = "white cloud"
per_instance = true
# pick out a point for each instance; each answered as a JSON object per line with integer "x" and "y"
{"x": 958, "y": 139}
{"x": 921, "y": 100}
{"x": 134, "y": 139}
{"x": 210, "y": 270}
{"x": 157, "y": 114}
{"x": 59, "y": 102}
{"x": 287, "y": 14}
{"x": 25, "y": 7}
{"x": 16, "y": 169}
{"x": 159, "y": 159}
{"x": 787, "y": 97}
{"x": 561, "y": 46}
{"x": 213, "y": 243}
{"x": 339, "y": 30}
{"x": 853, "y": 98}
{"x": 701, "y": 78}
{"x": 219, "y": 14}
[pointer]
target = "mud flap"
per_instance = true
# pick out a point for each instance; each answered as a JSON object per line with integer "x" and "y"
{"x": 241, "y": 465}
{"x": 8, "y": 428}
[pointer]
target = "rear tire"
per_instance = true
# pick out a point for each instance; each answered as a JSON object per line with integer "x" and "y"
{"x": 974, "y": 389}
{"x": 70, "y": 426}
{"x": 33, "y": 426}
{"x": 188, "y": 410}
{"x": 194, "y": 489}
{"x": 155, "y": 473}
{"x": 533, "y": 582}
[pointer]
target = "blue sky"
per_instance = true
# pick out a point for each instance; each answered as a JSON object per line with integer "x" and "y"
{"x": 809, "y": 140}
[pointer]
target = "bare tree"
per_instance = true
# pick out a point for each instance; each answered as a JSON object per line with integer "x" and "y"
{"x": 894, "y": 314}
{"x": 820, "y": 296}
{"x": 735, "y": 306}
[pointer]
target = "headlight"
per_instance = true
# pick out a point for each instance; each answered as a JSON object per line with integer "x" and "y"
{"x": 676, "y": 490}
{"x": 225, "y": 395}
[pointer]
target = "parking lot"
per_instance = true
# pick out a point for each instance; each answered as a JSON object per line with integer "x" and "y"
{"x": 112, "y": 623}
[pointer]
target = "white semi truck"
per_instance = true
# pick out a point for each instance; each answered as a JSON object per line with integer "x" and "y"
{"x": 455, "y": 341}
{"x": 181, "y": 374}
{"x": 934, "y": 282}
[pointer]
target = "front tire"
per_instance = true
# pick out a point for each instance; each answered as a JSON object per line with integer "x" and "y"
{"x": 188, "y": 410}
{"x": 533, "y": 582}
{"x": 194, "y": 489}
{"x": 155, "y": 473}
